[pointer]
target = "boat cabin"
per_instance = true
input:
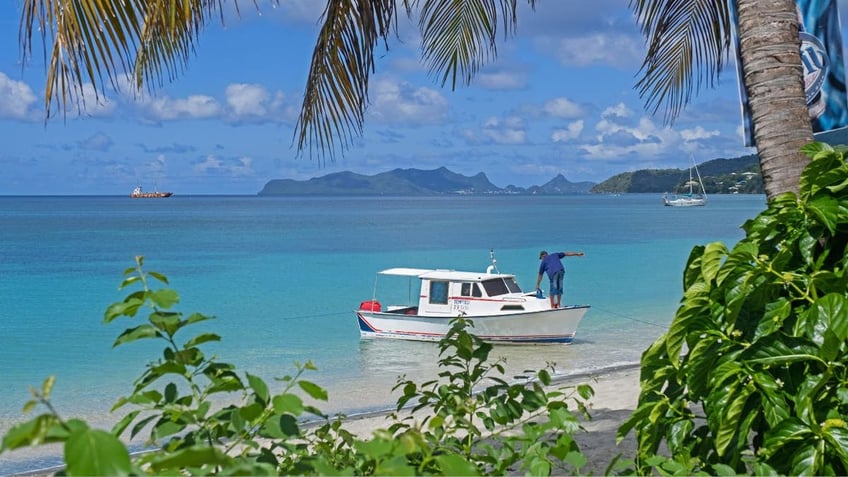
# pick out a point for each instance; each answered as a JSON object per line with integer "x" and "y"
{"x": 452, "y": 293}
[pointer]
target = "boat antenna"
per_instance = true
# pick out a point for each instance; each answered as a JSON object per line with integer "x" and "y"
{"x": 494, "y": 265}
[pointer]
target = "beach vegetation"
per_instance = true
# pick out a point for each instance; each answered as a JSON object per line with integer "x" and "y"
{"x": 198, "y": 415}
{"x": 752, "y": 375}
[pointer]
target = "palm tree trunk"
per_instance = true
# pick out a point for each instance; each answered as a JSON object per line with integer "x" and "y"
{"x": 773, "y": 76}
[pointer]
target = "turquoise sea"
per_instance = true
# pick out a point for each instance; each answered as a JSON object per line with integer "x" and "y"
{"x": 283, "y": 276}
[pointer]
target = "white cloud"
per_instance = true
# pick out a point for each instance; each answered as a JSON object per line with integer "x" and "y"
{"x": 563, "y": 108}
{"x": 697, "y": 133}
{"x": 247, "y": 99}
{"x": 97, "y": 142}
{"x": 212, "y": 165}
{"x": 620, "y": 110}
{"x": 193, "y": 107}
{"x": 510, "y": 130}
{"x": 572, "y": 131}
{"x": 501, "y": 80}
{"x": 16, "y": 99}
{"x": 599, "y": 49}
{"x": 95, "y": 103}
{"x": 402, "y": 103}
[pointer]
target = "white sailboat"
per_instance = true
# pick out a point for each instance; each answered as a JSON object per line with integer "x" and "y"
{"x": 694, "y": 197}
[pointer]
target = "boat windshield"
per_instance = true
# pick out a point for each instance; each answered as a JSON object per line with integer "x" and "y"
{"x": 501, "y": 286}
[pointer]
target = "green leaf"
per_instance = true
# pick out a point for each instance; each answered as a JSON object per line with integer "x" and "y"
{"x": 159, "y": 276}
{"x": 202, "y": 338}
{"x": 317, "y": 392}
{"x": 828, "y": 211}
{"x": 96, "y": 452}
{"x": 195, "y": 456}
{"x": 165, "y": 297}
{"x": 139, "y": 332}
{"x": 29, "y": 433}
{"x": 711, "y": 260}
{"x": 129, "y": 307}
{"x": 288, "y": 403}
{"x": 452, "y": 464}
{"x": 259, "y": 387}
{"x": 198, "y": 317}
{"x": 165, "y": 321}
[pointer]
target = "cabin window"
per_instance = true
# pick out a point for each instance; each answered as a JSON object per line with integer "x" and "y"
{"x": 495, "y": 287}
{"x": 470, "y": 289}
{"x": 439, "y": 293}
{"x": 512, "y": 285}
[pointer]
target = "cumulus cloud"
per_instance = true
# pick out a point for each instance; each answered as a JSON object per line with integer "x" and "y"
{"x": 510, "y": 130}
{"x": 247, "y": 99}
{"x": 620, "y": 51}
{"x": 95, "y": 103}
{"x": 697, "y": 133}
{"x": 16, "y": 99}
{"x": 402, "y": 103}
{"x": 570, "y": 132}
{"x": 213, "y": 165}
{"x": 98, "y": 142}
{"x": 562, "y": 108}
{"x": 616, "y": 141}
{"x": 501, "y": 80}
{"x": 620, "y": 110}
{"x": 193, "y": 107}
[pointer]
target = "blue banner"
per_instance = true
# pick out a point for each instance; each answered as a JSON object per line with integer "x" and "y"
{"x": 824, "y": 67}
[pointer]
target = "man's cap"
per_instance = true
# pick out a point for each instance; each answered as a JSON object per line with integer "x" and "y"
{"x": 542, "y": 253}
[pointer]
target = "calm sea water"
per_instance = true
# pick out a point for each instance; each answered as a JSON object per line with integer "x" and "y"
{"x": 283, "y": 275}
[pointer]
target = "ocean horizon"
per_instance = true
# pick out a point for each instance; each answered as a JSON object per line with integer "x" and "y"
{"x": 282, "y": 276}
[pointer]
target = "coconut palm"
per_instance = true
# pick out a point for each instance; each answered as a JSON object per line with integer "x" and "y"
{"x": 688, "y": 42}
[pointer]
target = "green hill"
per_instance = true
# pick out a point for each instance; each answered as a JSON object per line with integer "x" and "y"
{"x": 720, "y": 176}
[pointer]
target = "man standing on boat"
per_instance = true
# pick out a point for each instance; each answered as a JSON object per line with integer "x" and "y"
{"x": 552, "y": 264}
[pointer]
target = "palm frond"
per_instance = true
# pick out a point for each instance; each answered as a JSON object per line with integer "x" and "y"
{"x": 87, "y": 39}
{"x": 171, "y": 28}
{"x": 460, "y": 36}
{"x": 336, "y": 93}
{"x": 688, "y": 43}
{"x": 90, "y": 41}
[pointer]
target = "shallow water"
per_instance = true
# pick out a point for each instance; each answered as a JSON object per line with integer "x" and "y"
{"x": 283, "y": 275}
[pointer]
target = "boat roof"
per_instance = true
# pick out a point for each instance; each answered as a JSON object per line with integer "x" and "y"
{"x": 442, "y": 274}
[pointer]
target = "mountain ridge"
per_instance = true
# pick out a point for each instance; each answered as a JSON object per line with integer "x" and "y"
{"x": 738, "y": 175}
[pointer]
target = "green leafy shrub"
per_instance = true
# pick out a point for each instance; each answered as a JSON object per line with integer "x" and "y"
{"x": 751, "y": 376}
{"x": 202, "y": 417}
{"x": 503, "y": 426}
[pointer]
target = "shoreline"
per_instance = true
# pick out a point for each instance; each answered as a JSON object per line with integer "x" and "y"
{"x": 616, "y": 396}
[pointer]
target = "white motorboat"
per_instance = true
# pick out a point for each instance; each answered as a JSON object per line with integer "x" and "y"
{"x": 499, "y": 310}
{"x": 692, "y": 198}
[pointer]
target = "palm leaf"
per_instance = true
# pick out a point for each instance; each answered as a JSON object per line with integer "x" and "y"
{"x": 336, "y": 93}
{"x": 688, "y": 43}
{"x": 90, "y": 41}
{"x": 460, "y": 36}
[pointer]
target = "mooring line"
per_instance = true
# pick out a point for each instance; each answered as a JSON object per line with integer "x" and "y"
{"x": 628, "y": 317}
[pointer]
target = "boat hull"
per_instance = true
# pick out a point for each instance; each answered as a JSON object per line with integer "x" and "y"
{"x": 151, "y": 195}
{"x": 685, "y": 202}
{"x": 553, "y": 326}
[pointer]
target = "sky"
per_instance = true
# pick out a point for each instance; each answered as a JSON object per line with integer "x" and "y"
{"x": 559, "y": 98}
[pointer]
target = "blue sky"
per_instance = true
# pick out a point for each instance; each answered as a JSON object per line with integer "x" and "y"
{"x": 559, "y": 99}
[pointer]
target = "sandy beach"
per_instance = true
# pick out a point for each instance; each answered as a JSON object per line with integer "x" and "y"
{"x": 616, "y": 396}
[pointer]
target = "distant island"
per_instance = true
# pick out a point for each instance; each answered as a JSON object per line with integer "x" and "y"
{"x": 721, "y": 176}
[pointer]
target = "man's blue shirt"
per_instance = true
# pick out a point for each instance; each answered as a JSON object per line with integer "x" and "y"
{"x": 552, "y": 264}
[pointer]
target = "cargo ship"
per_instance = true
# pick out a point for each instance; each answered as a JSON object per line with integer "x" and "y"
{"x": 138, "y": 193}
